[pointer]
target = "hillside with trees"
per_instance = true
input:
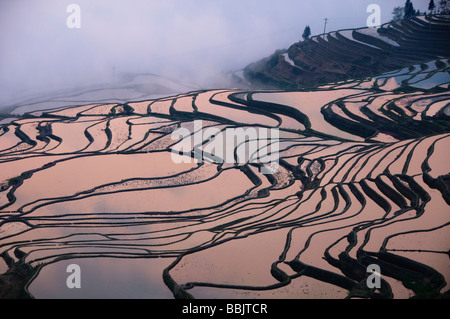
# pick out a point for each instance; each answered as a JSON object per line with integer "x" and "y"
{"x": 357, "y": 53}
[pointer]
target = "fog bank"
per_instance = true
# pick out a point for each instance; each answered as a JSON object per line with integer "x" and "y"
{"x": 189, "y": 40}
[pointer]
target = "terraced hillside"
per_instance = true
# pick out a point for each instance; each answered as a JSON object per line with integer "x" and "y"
{"x": 362, "y": 179}
{"x": 353, "y": 54}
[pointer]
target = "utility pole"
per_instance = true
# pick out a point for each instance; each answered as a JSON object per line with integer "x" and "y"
{"x": 325, "y": 26}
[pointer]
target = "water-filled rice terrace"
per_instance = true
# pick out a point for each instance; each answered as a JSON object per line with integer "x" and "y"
{"x": 363, "y": 179}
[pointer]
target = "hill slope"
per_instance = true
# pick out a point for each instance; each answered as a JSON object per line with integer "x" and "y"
{"x": 350, "y": 54}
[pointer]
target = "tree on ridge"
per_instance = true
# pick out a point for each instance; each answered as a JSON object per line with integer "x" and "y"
{"x": 431, "y": 6}
{"x": 306, "y": 33}
{"x": 444, "y": 7}
{"x": 409, "y": 10}
{"x": 398, "y": 13}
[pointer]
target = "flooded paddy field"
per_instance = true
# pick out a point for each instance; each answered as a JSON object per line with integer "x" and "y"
{"x": 151, "y": 202}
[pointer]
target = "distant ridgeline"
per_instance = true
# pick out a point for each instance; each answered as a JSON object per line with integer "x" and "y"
{"x": 354, "y": 53}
